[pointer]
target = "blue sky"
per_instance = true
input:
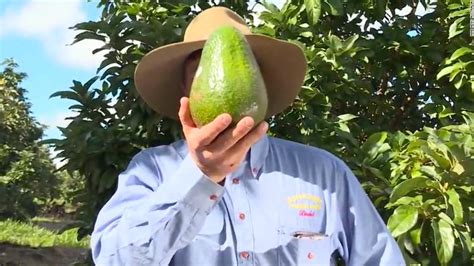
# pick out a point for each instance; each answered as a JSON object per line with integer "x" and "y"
{"x": 35, "y": 34}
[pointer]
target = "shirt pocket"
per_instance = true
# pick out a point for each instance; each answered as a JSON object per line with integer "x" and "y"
{"x": 300, "y": 246}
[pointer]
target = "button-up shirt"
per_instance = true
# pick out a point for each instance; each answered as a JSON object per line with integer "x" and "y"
{"x": 286, "y": 204}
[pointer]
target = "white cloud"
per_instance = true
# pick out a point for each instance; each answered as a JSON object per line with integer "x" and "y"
{"x": 77, "y": 55}
{"x": 48, "y": 22}
{"x": 57, "y": 120}
{"x": 57, "y": 161}
{"x": 40, "y": 18}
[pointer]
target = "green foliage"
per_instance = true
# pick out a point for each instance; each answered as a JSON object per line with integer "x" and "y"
{"x": 390, "y": 94}
{"x": 422, "y": 183}
{"x": 70, "y": 187}
{"x": 17, "y": 127}
{"x": 27, "y": 234}
{"x": 27, "y": 181}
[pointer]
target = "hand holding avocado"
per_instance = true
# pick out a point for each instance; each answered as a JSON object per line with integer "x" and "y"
{"x": 222, "y": 118}
{"x": 216, "y": 148}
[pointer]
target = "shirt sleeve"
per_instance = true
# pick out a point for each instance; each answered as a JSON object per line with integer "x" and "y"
{"x": 151, "y": 216}
{"x": 368, "y": 241}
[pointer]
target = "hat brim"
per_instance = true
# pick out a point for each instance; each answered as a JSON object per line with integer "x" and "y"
{"x": 159, "y": 75}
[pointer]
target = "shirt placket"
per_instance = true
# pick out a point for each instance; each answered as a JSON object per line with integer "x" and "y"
{"x": 242, "y": 217}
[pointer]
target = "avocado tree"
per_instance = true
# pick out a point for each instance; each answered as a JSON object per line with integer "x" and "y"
{"x": 27, "y": 179}
{"x": 391, "y": 92}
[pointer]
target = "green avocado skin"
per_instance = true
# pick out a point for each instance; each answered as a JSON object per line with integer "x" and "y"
{"x": 227, "y": 80}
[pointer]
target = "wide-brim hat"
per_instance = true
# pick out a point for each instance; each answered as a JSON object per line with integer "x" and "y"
{"x": 159, "y": 74}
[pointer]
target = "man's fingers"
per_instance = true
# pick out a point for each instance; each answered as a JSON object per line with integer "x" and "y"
{"x": 210, "y": 131}
{"x": 185, "y": 115}
{"x": 206, "y": 134}
{"x": 232, "y": 135}
{"x": 253, "y": 136}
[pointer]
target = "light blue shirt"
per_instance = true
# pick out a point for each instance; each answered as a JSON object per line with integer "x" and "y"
{"x": 286, "y": 204}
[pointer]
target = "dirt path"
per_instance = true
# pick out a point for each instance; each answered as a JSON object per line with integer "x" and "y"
{"x": 21, "y": 255}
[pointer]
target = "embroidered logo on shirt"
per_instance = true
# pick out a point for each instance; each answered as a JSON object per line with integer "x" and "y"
{"x": 306, "y": 213}
{"x": 307, "y": 204}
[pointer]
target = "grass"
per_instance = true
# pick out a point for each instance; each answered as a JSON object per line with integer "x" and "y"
{"x": 28, "y": 234}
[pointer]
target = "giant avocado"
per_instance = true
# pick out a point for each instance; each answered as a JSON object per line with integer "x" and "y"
{"x": 227, "y": 80}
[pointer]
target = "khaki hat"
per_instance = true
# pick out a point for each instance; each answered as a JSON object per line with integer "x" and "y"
{"x": 159, "y": 75}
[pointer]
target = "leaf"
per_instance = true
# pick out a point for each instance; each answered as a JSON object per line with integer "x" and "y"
{"x": 89, "y": 83}
{"x": 105, "y": 63}
{"x": 439, "y": 152}
{"x": 313, "y": 10}
{"x": 346, "y": 135}
{"x": 335, "y": 7}
{"x": 460, "y": 52}
{"x": 461, "y": 80}
{"x": 76, "y": 106}
{"x": 444, "y": 240}
{"x": 87, "y": 26}
{"x": 67, "y": 95}
{"x": 335, "y": 42}
{"x": 459, "y": 13}
{"x": 349, "y": 42}
{"x": 417, "y": 201}
{"x": 430, "y": 171}
{"x": 270, "y": 6}
{"x": 379, "y": 174}
{"x": 458, "y": 168}
{"x": 88, "y": 35}
{"x": 381, "y": 8}
{"x": 453, "y": 29}
{"x": 415, "y": 236}
{"x": 446, "y": 218}
{"x": 373, "y": 143}
{"x": 455, "y": 6}
{"x": 466, "y": 242}
{"x": 445, "y": 71}
{"x": 49, "y": 141}
{"x": 402, "y": 220}
{"x": 409, "y": 185}
{"x": 107, "y": 180}
{"x": 453, "y": 199}
{"x": 306, "y": 34}
{"x": 453, "y": 74}
{"x": 346, "y": 117}
{"x": 407, "y": 243}
{"x": 133, "y": 9}
{"x": 369, "y": 4}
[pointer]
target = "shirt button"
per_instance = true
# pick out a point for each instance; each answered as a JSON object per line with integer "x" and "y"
{"x": 244, "y": 255}
{"x": 254, "y": 171}
{"x": 213, "y": 197}
{"x": 235, "y": 181}
{"x": 242, "y": 216}
{"x": 310, "y": 255}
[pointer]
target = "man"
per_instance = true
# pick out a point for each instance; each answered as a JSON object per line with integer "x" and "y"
{"x": 232, "y": 195}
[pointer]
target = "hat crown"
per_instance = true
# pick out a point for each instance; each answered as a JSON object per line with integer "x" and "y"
{"x": 210, "y": 19}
